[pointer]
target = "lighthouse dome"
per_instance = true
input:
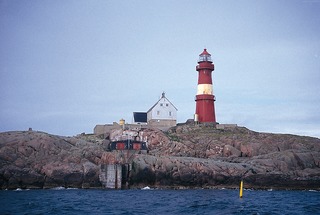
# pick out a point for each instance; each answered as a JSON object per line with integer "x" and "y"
{"x": 205, "y": 56}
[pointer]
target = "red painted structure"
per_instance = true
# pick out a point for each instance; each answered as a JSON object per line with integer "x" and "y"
{"x": 127, "y": 145}
{"x": 205, "y": 99}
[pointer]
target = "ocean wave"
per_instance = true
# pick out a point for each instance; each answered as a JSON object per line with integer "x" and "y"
{"x": 58, "y": 188}
{"x": 19, "y": 189}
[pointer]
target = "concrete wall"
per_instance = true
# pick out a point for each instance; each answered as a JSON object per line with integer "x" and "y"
{"x": 162, "y": 124}
{"x": 105, "y": 129}
{"x": 111, "y": 176}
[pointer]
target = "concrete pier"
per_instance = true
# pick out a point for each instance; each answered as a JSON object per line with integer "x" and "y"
{"x": 111, "y": 176}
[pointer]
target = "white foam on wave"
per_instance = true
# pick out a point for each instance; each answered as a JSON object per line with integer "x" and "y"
{"x": 58, "y": 188}
{"x": 63, "y": 188}
{"x": 313, "y": 190}
{"x": 146, "y": 188}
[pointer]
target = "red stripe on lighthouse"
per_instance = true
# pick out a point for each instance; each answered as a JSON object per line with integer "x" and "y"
{"x": 205, "y": 77}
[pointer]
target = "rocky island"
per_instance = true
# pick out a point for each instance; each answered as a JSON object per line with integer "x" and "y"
{"x": 185, "y": 156}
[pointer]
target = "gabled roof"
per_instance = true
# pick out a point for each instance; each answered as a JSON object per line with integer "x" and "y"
{"x": 162, "y": 96}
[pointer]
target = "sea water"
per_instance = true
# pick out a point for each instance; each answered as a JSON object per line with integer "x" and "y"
{"x": 157, "y": 202}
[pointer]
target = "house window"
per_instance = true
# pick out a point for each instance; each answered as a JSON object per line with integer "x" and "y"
{"x": 167, "y": 105}
{"x": 161, "y": 104}
{"x": 170, "y": 113}
{"x": 158, "y": 112}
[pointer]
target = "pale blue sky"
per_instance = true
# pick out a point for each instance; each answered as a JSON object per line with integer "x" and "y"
{"x": 66, "y": 66}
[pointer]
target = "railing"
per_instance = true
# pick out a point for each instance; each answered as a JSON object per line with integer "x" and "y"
{"x": 205, "y": 66}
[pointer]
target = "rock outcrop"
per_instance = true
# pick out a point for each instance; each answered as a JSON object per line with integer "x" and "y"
{"x": 184, "y": 156}
{"x": 206, "y": 157}
{"x": 39, "y": 160}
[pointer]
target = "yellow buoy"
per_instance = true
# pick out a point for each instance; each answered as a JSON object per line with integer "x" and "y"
{"x": 241, "y": 189}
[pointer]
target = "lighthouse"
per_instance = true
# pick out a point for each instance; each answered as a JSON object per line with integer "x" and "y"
{"x": 205, "y": 112}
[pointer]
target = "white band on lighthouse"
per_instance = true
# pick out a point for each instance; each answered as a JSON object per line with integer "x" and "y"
{"x": 205, "y": 89}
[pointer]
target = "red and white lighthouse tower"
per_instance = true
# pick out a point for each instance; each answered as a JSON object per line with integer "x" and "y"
{"x": 205, "y": 99}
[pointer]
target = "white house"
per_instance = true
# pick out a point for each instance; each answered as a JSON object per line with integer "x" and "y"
{"x": 163, "y": 114}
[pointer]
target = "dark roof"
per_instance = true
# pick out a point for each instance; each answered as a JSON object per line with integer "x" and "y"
{"x": 205, "y": 52}
{"x": 140, "y": 117}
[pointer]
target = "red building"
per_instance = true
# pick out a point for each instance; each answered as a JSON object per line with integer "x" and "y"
{"x": 205, "y": 99}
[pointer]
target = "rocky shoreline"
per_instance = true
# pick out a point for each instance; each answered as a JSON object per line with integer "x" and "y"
{"x": 186, "y": 156}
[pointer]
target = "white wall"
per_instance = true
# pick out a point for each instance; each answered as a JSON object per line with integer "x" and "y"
{"x": 163, "y": 110}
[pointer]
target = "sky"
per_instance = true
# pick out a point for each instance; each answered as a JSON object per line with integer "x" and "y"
{"x": 66, "y": 66}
